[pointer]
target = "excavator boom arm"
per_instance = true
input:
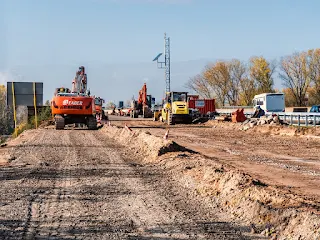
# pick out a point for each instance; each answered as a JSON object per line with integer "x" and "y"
{"x": 79, "y": 83}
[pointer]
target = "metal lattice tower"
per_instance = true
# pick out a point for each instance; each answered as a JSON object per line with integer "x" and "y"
{"x": 166, "y": 64}
{"x": 167, "y": 61}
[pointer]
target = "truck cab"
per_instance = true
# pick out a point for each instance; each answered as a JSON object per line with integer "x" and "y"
{"x": 270, "y": 102}
{"x": 98, "y": 102}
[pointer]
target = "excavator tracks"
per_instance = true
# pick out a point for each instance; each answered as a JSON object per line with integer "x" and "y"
{"x": 92, "y": 123}
{"x": 59, "y": 122}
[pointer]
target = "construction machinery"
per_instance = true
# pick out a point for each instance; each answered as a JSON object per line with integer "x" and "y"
{"x": 143, "y": 106}
{"x": 175, "y": 109}
{"x": 204, "y": 107}
{"x": 100, "y": 115}
{"x": 74, "y": 106}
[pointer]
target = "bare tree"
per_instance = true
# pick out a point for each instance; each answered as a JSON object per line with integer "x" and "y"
{"x": 221, "y": 80}
{"x": 218, "y": 78}
{"x": 314, "y": 73}
{"x": 295, "y": 74}
{"x": 237, "y": 71}
{"x": 200, "y": 85}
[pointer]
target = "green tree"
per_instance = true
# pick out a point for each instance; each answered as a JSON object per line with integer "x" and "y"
{"x": 247, "y": 92}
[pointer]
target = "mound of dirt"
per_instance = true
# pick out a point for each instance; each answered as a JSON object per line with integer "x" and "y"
{"x": 143, "y": 143}
{"x": 271, "y": 211}
{"x": 282, "y": 130}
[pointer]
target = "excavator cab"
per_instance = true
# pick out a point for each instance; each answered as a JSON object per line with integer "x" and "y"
{"x": 62, "y": 90}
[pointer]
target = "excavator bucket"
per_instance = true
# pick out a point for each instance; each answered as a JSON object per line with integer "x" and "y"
{"x": 238, "y": 116}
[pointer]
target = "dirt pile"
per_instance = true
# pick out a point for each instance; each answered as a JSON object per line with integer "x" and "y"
{"x": 143, "y": 143}
{"x": 268, "y": 210}
{"x": 264, "y": 120}
{"x": 266, "y": 128}
{"x": 7, "y": 152}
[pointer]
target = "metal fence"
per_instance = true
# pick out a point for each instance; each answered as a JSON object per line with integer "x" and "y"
{"x": 292, "y": 118}
{"x": 236, "y": 107}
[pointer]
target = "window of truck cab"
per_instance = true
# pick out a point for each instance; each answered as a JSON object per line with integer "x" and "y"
{"x": 259, "y": 101}
{"x": 97, "y": 101}
{"x": 181, "y": 97}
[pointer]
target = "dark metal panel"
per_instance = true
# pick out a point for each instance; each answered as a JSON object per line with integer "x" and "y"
{"x": 25, "y": 100}
{"x": 25, "y": 87}
{"x": 24, "y": 93}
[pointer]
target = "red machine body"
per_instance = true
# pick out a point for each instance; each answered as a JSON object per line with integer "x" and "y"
{"x": 203, "y": 105}
{"x": 143, "y": 95}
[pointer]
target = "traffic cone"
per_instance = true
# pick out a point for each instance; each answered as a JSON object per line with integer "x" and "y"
{"x": 166, "y": 135}
{"x": 126, "y": 127}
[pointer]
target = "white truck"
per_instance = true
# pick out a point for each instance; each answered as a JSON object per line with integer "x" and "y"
{"x": 270, "y": 102}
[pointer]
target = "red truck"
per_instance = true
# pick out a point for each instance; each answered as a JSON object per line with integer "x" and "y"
{"x": 204, "y": 106}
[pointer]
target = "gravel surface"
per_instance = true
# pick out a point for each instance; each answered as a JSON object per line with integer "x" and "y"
{"x": 79, "y": 184}
{"x": 266, "y": 153}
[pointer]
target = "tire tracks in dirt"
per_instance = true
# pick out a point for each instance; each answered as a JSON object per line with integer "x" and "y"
{"x": 79, "y": 184}
{"x": 165, "y": 210}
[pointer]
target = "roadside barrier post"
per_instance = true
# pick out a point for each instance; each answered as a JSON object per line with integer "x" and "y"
{"x": 307, "y": 121}
{"x": 14, "y": 110}
{"x": 35, "y": 105}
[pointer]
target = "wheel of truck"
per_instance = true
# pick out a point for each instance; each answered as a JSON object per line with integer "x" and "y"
{"x": 59, "y": 122}
{"x": 156, "y": 118}
{"x": 170, "y": 119}
{"x": 103, "y": 115}
{"x": 92, "y": 123}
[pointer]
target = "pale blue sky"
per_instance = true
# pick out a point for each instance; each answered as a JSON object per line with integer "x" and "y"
{"x": 46, "y": 40}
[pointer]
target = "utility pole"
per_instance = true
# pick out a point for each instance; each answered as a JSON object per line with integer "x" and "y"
{"x": 166, "y": 64}
{"x": 167, "y": 60}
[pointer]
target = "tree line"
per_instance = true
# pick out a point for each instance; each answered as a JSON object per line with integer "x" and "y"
{"x": 234, "y": 82}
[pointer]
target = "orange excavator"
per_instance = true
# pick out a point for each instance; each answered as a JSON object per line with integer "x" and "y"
{"x": 74, "y": 106}
{"x": 143, "y": 105}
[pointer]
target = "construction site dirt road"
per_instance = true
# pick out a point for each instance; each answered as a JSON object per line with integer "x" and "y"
{"x": 267, "y": 176}
{"x": 80, "y": 184}
{"x": 271, "y": 154}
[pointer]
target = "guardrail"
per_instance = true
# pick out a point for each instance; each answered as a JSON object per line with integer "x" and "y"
{"x": 235, "y": 107}
{"x": 292, "y": 118}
